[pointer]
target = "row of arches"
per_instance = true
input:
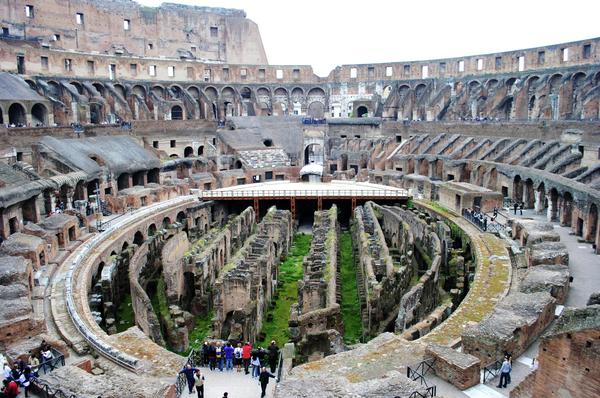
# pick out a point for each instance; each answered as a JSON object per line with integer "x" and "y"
{"x": 16, "y": 114}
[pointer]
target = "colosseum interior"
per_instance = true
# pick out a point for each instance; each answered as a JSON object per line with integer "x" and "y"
{"x": 395, "y": 228}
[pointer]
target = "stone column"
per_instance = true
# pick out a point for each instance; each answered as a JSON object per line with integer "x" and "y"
{"x": 539, "y": 202}
{"x": 551, "y": 213}
{"x": 69, "y": 204}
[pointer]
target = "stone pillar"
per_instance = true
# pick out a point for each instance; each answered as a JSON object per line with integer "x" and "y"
{"x": 539, "y": 202}
{"x": 69, "y": 204}
{"x": 525, "y": 198}
{"x": 551, "y": 213}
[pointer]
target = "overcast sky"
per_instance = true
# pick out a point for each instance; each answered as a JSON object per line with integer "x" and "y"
{"x": 327, "y": 33}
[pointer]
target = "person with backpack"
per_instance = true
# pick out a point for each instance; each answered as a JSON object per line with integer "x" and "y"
{"x": 219, "y": 356}
{"x": 273, "y": 354}
{"x": 237, "y": 357}
{"x": 255, "y": 362}
{"x": 228, "y": 351}
{"x": 199, "y": 382}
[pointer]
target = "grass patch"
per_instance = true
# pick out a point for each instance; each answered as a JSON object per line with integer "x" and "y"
{"x": 125, "y": 316}
{"x": 290, "y": 272}
{"x": 350, "y": 302}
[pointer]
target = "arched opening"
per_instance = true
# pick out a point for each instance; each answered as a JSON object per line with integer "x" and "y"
{"x": 529, "y": 196}
{"x": 362, "y": 111}
{"x": 39, "y": 115}
{"x": 313, "y": 153}
{"x": 517, "y": 189}
{"x": 181, "y": 218}
{"x": 16, "y": 115}
{"x": 246, "y": 93}
{"x": 176, "y": 113}
{"x": 238, "y": 164}
{"x": 166, "y": 222}
{"x": 268, "y": 142}
{"x": 80, "y": 190}
{"x": 592, "y": 223}
{"x": 567, "y": 210}
{"x": 316, "y": 110}
{"x": 138, "y": 178}
{"x": 154, "y": 176}
{"x": 158, "y": 92}
{"x": 188, "y": 151}
{"x": 152, "y": 229}
{"x": 123, "y": 181}
{"x": 95, "y": 113}
{"x": 138, "y": 238}
{"x": 201, "y": 150}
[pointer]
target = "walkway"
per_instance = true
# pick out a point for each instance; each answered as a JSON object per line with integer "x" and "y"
{"x": 236, "y": 384}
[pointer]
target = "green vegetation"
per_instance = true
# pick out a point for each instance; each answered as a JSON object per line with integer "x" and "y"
{"x": 125, "y": 316}
{"x": 202, "y": 328}
{"x": 351, "y": 313}
{"x": 275, "y": 326}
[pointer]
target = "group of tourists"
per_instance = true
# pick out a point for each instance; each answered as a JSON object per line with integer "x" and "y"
{"x": 225, "y": 357}
{"x": 23, "y": 372}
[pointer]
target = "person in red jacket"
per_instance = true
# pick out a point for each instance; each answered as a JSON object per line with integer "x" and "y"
{"x": 11, "y": 388}
{"x": 246, "y": 353}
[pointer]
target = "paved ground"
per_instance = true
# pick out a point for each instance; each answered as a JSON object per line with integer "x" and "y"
{"x": 237, "y": 385}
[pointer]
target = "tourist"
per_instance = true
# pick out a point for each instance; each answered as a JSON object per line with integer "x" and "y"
{"x": 504, "y": 373}
{"x": 246, "y": 354}
{"x": 34, "y": 363}
{"x": 237, "y": 357}
{"x": 26, "y": 379}
{"x": 261, "y": 356}
{"x": 204, "y": 353}
{"x": 199, "y": 382}
{"x": 255, "y": 362}
{"x": 188, "y": 371}
{"x": 515, "y": 206}
{"x": 212, "y": 356}
{"x": 263, "y": 379}
{"x": 11, "y": 388}
{"x": 228, "y": 353}
{"x": 273, "y": 356}
{"x": 15, "y": 373}
{"x": 225, "y": 395}
{"x": 7, "y": 371}
{"x": 219, "y": 356}
{"x": 521, "y": 208}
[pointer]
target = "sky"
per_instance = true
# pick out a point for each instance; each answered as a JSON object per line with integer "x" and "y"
{"x": 328, "y": 33}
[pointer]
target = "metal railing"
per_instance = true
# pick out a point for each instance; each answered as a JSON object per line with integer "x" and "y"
{"x": 487, "y": 225}
{"x": 45, "y": 391}
{"x": 303, "y": 193}
{"x": 310, "y": 120}
{"x": 181, "y": 381}
{"x": 491, "y": 371}
{"x": 418, "y": 372}
{"x": 49, "y": 365}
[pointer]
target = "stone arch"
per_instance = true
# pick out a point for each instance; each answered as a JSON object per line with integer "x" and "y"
{"x": 194, "y": 92}
{"x": 181, "y": 218}
{"x": 313, "y": 153}
{"x": 479, "y": 174}
{"x": 211, "y": 93}
{"x": 120, "y": 89}
{"x": 528, "y": 194}
{"x": 263, "y": 91}
{"x": 491, "y": 84}
{"x": 158, "y": 91}
{"x": 201, "y": 150}
{"x": 166, "y": 222}
{"x": 16, "y": 114}
{"x": 54, "y": 88}
{"x": 362, "y": 111}
{"x": 228, "y": 93}
{"x": 316, "y": 91}
{"x": 316, "y": 110}
{"x": 553, "y": 204}
{"x": 138, "y": 238}
{"x": 420, "y": 90}
{"x": 139, "y": 90}
{"x": 99, "y": 88}
{"x": 188, "y": 151}
{"x": 77, "y": 86}
{"x": 578, "y": 79}
{"x": 281, "y": 92}
{"x": 39, "y": 114}
{"x": 555, "y": 82}
{"x": 123, "y": 181}
{"x": 176, "y": 112}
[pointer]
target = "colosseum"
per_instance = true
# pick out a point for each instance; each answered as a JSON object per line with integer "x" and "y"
{"x": 389, "y": 230}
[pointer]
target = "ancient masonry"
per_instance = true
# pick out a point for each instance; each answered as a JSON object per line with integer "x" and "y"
{"x": 154, "y": 169}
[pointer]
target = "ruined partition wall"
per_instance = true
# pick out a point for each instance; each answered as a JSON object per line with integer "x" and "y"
{"x": 316, "y": 324}
{"x": 381, "y": 280}
{"x": 245, "y": 285}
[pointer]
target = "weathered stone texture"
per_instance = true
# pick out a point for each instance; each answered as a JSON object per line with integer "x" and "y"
{"x": 459, "y": 369}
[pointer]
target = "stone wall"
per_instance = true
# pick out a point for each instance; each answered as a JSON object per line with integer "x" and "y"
{"x": 245, "y": 285}
{"x": 316, "y": 324}
{"x": 460, "y": 370}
